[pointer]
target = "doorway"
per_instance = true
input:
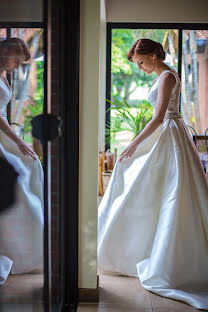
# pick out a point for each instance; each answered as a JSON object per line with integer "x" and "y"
{"x": 55, "y": 288}
{"x": 186, "y": 46}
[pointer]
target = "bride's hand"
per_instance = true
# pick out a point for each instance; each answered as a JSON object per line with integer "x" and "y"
{"x": 129, "y": 150}
{"x": 26, "y": 150}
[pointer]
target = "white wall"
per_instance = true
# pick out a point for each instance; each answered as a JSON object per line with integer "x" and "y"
{"x": 21, "y": 11}
{"x": 158, "y": 11}
{"x": 88, "y": 148}
{"x": 102, "y": 74}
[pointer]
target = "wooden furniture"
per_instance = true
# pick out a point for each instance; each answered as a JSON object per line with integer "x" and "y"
{"x": 201, "y": 142}
{"x": 107, "y": 162}
{"x": 37, "y": 147}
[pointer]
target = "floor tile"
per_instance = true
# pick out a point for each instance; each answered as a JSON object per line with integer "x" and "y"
{"x": 122, "y": 292}
{"x": 4, "y": 307}
{"x": 22, "y": 288}
{"x": 176, "y": 310}
{"x": 163, "y": 304}
{"x": 97, "y": 308}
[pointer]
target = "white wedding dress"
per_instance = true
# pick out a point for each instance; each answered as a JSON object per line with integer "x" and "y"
{"x": 153, "y": 217}
{"x": 21, "y": 226}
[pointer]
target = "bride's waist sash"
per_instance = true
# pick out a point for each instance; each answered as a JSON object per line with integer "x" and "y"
{"x": 172, "y": 115}
{"x": 3, "y": 114}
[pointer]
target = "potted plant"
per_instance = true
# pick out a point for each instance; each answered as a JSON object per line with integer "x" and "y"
{"x": 35, "y": 108}
{"x": 32, "y": 110}
{"x": 125, "y": 120}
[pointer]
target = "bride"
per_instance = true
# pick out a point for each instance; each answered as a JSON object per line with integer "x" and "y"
{"x": 21, "y": 225}
{"x": 153, "y": 217}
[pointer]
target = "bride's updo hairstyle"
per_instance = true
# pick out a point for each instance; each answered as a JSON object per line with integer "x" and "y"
{"x": 18, "y": 45}
{"x": 146, "y": 46}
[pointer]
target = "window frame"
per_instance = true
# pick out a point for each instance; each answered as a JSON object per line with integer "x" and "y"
{"x": 114, "y": 25}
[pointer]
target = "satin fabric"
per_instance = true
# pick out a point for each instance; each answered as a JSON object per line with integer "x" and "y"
{"x": 21, "y": 225}
{"x": 153, "y": 217}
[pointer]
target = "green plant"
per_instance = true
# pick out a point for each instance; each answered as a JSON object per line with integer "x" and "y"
{"x": 125, "y": 120}
{"x": 36, "y": 107}
{"x": 30, "y": 112}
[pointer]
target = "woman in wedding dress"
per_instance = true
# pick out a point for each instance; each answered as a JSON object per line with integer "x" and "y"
{"x": 153, "y": 217}
{"x": 21, "y": 225}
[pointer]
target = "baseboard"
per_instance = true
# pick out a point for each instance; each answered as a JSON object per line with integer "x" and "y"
{"x": 89, "y": 294}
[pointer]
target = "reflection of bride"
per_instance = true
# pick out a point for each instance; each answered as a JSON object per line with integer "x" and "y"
{"x": 153, "y": 217}
{"x": 21, "y": 225}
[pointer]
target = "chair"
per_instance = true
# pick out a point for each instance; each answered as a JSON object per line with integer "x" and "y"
{"x": 201, "y": 142}
{"x": 107, "y": 162}
{"x": 18, "y": 129}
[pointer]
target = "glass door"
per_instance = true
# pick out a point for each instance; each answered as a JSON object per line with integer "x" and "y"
{"x": 54, "y": 164}
{"x": 32, "y": 117}
{"x": 22, "y": 223}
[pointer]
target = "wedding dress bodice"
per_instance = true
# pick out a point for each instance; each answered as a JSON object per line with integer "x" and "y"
{"x": 173, "y": 105}
{"x": 5, "y": 97}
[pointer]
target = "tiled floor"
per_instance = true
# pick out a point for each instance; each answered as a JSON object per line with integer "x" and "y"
{"x": 21, "y": 307}
{"x": 22, "y": 293}
{"x": 123, "y": 294}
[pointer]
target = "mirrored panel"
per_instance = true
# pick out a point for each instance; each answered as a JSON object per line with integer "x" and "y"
{"x": 22, "y": 175}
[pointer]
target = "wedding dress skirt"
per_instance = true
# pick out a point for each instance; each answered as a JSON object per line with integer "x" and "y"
{"x": 21, "y": 225}
{"x": 153, "y": 217}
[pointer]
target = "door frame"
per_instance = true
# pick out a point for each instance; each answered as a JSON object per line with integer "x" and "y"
{"x": 70, "y": 80}
{"x": 69, "y": 37}
{"x": 69, "y": 67}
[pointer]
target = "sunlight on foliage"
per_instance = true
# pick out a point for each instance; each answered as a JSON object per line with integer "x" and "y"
{"x": 36, "y": 107}
{"x": 126, "y": 118}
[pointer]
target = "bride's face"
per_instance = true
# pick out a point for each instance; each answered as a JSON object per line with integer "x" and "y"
{"x": 144, "y": 62}
{"x": 12, "y": 61}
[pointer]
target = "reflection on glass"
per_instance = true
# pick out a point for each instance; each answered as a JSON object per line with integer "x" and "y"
{"x": 27, "y": 86}
{"x": 22, "y": 220}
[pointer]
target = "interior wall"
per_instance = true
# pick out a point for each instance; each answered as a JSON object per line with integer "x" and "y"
{"x": 102, "y": 73}
{"x": 88, "y": 146}
{"x": 160, "y": 11}
{"x": 21, "y": 11}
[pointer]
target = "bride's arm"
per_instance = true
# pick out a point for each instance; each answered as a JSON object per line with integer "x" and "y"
{"x": 6, "y": 128}
{"x": 24, "y": 148}
{"x": 166, "y": 85}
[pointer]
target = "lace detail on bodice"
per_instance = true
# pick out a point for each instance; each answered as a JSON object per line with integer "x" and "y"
{"x": 5, "y": 97}
{"x": 174, "y": 102}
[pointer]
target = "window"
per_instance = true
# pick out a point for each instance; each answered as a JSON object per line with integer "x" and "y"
{"x": 186, "y": 52}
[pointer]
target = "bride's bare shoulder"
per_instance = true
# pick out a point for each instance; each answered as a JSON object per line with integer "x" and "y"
{"x": 167, "y": 83}
{"x": 168, "y": 78}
